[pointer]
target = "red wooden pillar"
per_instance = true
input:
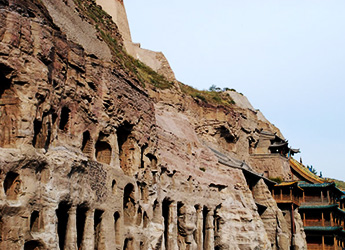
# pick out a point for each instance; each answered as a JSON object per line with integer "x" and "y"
{"x": 328, "y": 197}
{"x": 291, "y": 194}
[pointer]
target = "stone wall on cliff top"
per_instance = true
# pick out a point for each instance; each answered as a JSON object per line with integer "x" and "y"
{"x": 90, "y": 161}
{"x": 156, "y": 60}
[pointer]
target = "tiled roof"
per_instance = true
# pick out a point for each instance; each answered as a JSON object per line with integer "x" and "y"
{"x": 326, "y": 184}
{"x": 304, "y": 172}
{"x": 330, "y": 229}
{"x": 318, "y": 206}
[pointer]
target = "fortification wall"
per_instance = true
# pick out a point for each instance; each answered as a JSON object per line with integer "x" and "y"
{"x": 155, "y": 60}
{"x": 116, "y": 9}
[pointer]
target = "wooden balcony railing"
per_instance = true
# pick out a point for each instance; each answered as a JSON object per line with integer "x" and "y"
{"x": 287, "y": 198}
{"x": 318, "y": 223}
{"x": 319, "y": 247}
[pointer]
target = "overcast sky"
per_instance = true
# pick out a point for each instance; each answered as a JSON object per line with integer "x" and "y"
{"x": 287, "y": 57}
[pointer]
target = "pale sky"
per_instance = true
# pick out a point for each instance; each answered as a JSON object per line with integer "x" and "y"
{"x": 286, "y": 56}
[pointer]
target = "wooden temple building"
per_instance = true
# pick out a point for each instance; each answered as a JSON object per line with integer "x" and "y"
{"x": 320, "y": 204}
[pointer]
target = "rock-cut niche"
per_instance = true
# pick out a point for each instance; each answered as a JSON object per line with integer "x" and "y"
{"x": 64, "y": 119}
{"x": 12, "y": 185}
{"x": 125, "y": 144}
{"x": 62, "y": 219}
{"x": 98, "y": 216}
{"x": 103, "y": 150}
{"x": 33, "y": 245}
{"x": 35, "y": 221}
{"x": 129, "y": 204}
{"x": 86, "y": 146}
{"x": 117, "y": 228}
{"x": 42, "y": 132}
{"x": 9, "y": 109}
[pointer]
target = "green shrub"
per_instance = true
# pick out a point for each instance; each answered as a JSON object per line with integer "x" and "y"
{"x": 276, "y": 179}
{"x": 106, "y": 28}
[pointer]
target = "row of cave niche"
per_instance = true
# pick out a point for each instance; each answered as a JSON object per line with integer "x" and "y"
{"x": 87, "y": 225}
{"x": 43, "y": 125}
{"x": 101, "y": 150}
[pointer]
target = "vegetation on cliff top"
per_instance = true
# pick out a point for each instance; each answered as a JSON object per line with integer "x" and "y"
{"x": 214, "y": 95}
{"x": 339, "y": 184}
{"x": 108, "y": 32}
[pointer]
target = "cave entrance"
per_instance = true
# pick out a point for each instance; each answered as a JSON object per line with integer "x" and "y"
{"x": 98, "y": 228}
{"x": 9, "y": 109}
{"x": 64, "y": 119}
{"x": 129, "y": 204}
{"x": 86, "y": 146}
{"x": 12, "y": 185}
{"x": 103, "y": 152}
{"x": 123, "y": 139}
{"x": 42, "y": 132}
{"x": 35, "y": 221}
{"x": 117, "y": 228}
{"x": 81, "y": 220}
{"x": 33, "y": 245}
{"x": 128, "y": 245}
{"x": 62, "y": 217}
{"x": 166, "y": 216}
{"x": 205, "y": 212}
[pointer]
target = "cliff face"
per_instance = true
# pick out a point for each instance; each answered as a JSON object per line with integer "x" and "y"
{"x": 90, "y": 159}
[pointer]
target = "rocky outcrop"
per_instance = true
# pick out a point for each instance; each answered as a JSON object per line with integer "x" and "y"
{"x": 92, "y": 160}
{"x": 274, "y": 221}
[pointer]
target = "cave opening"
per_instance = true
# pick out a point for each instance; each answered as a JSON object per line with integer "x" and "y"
{"x": 156, "y": 212}
{"x": 145, "y": 220}
{"x": 205, "y": 212}
{"x": 5, "y": 83}
{"x": 32, "y": 245}
{"x": 117, "y": 228}
{"x": 123, "y": 132}
{"x": 35, "y": 221}
{"x": 42, "y": 132}
{"x": 139, "y": 216}
{"x": 226, "y": 134}
{"x": 128, "y": 245}
{"x": 86, "y": 146}
{"x": 98, "y": 228}
{"x": 37, "y": 130}
{"x": 114, "y": 186}
{"x": 12, "y": 185}
{"x": 128, "y": 204}
{"x": 62, "y": 217}
{"x": 103, "y": 152}
{"x": 153, "y": 161}
{"x": 64, "y": 119}
{"x": 165, "y": 213}
{"x": 81, "y": 220}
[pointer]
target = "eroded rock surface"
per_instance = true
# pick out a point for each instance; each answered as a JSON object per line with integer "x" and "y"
{"x": 92, "y": 160}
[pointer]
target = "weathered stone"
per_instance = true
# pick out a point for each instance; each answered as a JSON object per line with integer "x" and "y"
{"x": 91, "y": 160}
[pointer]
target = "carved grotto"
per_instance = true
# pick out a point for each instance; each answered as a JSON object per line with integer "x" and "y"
{"x": 98, "y": 151}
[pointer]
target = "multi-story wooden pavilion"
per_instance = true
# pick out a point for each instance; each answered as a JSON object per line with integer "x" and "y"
{"x": 321, "y": 205}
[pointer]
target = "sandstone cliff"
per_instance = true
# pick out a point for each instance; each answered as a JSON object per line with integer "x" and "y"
{"x": 98, "y": 151}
